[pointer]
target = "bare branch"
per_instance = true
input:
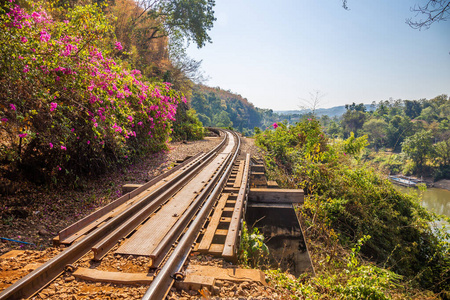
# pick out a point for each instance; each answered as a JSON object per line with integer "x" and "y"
{"x": 314, "y": 101}
{"x": 434, "y": 11}
{"x": 344, "y": 4}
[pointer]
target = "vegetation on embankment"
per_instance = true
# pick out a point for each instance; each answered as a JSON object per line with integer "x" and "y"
{"x": 71, "y": 101}
{"x": 368, "y": 241}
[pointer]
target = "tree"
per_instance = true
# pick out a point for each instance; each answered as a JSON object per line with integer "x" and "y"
{"x": 442, "y": 152}
{"x": 313, "y": 103}
{"x": 418, "y": 147}
{"x": 222, "y": 120}
{"x": 433, "y": 10}
{"x": 399, "y": 128}
{"x": 353, "y": 119}
{"x": 376, "y": 130}
{"x": 413, "y": 108}
{"x": 190, "y": 19}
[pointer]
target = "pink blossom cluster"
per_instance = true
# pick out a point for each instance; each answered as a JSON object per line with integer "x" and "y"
{"x": 116, "y": 100}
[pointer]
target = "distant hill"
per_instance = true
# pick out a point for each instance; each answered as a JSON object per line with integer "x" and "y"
{"x": 222, "y": 108}
{"x": 336, "y": 111}
{"x": 217, "y": 107}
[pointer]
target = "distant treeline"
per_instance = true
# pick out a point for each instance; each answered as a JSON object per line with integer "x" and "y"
{"x": 220, "y": 108}
{"x": 419, "y": 130}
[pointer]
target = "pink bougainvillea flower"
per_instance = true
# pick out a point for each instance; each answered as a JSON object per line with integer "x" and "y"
{"x": 72, "y": 130}
{"x": 275, "y": 125}
{"x": 35, "y": 15}
{"x": 51, "y": 145}
{"x": 118, "y": 46}
{"x": 23, "y": 39}
{"x": 45, "y": 36}
{"x": 88, "y": 142}
{"x": 63, "y": 147}
{"x": 4, "y": 120}
{"x": 95, "y": 124}
{"x": 130, "y": 118}
{"x": 26, "y": 69}
{"x": 53, "y": 106}
{"x": 13, "y": 107}
{"x": 140, "y": 124}
{"x": 22, "y": 135}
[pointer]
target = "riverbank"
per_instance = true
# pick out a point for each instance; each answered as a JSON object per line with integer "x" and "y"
{"x": 442, "y": 184}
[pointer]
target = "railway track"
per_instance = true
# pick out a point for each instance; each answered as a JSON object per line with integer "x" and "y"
{"x": 146, "y": 235}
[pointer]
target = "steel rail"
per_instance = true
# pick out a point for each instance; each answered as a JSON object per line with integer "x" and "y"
{"x": 176, "y": 230}
{"x": 103, "y": 246}
{"x": 77, "y": 226}
{"x": 40, "y": 277}
{"x": 164, "y": 279}
{"x": 230, "y": 250}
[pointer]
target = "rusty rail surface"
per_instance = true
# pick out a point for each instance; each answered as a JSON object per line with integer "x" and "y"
{"x": 40, "y": 277}
{"x": 65, "y": 233}
{"x": 164, "y": 279}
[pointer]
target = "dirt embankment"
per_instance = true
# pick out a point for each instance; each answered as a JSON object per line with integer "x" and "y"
{"x": 442, "y": 184}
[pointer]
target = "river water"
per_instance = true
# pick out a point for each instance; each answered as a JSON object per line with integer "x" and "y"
{"x": 434, "y": 199}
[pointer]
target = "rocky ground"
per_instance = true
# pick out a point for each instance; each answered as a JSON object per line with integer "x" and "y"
{"x": 67, "y": 286}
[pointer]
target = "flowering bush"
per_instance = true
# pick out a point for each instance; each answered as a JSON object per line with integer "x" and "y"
{"x": 61, "y": 85}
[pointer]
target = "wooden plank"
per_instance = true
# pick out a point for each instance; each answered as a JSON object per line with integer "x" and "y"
{"x": 13, "y": 253}
{"x": 112, "y": 277}
{"x": 275, "y": 195}
{"x": 216, "y": 249}
{"x": 272, "y": 184}
{"x": 195, "y": 282}
{"x": 231, "y": 241}
{"x": 221, "y": 232}
{"x": 129, "y": 187}
{"x": 270, "y": 205}
{"x": 238, "y": 181}
{"x": 214, "y": 222}
{"x": 258, "y": 174}
{"x": 258, "y": 168}
{"x": 230, "y": 190}
{"x": 229, "y": 274}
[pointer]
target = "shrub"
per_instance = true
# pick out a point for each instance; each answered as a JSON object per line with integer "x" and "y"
{"x": 351, "y": 199}
{"x": 68, "y": 106}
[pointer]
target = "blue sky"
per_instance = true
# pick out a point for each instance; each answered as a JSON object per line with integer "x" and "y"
{"x": 275, "y": 53}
